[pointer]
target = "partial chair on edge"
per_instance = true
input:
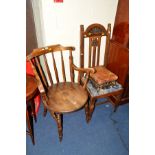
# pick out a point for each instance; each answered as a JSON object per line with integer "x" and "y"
{"x": 104, "y": 83}
{"x": 31, "y": 93}
{"x": 60, "y": 97}
{"x": 32, "y": 100}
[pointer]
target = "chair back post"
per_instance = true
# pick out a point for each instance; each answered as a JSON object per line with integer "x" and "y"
{"x": 71, "y": 68}
{"x": 106, "y": 55}
{"x": 82, "y": 46}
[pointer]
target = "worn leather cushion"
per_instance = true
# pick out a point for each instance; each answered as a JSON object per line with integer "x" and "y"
{"x": 103, "y": 75}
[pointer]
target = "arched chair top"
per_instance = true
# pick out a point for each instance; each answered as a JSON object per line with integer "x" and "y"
{"x": 95, "y": 29}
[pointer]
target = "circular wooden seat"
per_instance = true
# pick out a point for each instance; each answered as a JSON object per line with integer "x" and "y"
{"x": 66, "y": 97}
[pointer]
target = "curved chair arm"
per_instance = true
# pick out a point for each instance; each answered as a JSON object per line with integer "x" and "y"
{"x": 84, "y": 70}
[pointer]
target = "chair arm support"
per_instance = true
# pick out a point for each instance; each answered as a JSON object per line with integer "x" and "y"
{"x": 84, "y": 70}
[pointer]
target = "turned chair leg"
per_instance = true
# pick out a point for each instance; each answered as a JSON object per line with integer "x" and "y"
{"x": 91, "y": 108}
{"x": 32, "y": 104}
{"x": 29, "y": 121}
{"x": 87, "y": 111}
{"x": 117, "y": 103}
{"x": 59, "y": 118}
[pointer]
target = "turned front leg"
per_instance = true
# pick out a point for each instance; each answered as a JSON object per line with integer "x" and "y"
{"x": 59, "y": 125}
{"x": 32, "y": 104}
{"x": 117, "y": 102}
{"x": 87, "y": 111}
{"x": 59, "y": 120}
{"x": 91, "y": 108}
{"x": 29, "y": 121}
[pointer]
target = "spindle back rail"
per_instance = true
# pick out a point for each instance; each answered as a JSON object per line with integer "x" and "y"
{"x": 44, "y": 74}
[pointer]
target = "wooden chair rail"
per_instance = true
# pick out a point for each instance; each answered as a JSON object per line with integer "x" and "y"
{"x": 48, "y": 49}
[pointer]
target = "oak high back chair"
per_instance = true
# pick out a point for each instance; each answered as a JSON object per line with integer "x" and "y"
{"x": 104, "y": 82}
{"x": 60, "y": 96}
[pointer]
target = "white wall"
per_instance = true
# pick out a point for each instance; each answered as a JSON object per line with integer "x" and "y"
{"x": 37, "y": 13}
{"x": 61, "y": 21}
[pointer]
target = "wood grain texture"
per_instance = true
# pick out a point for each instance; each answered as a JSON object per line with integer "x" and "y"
{"x": 121, "y": 35}
{"x": 66, "y": 97}
{"x": 118, "y": 61}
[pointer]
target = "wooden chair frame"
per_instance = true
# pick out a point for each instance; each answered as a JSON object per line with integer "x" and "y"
{"x": 43, "y": 85}
{"x": 94, "y": 33}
